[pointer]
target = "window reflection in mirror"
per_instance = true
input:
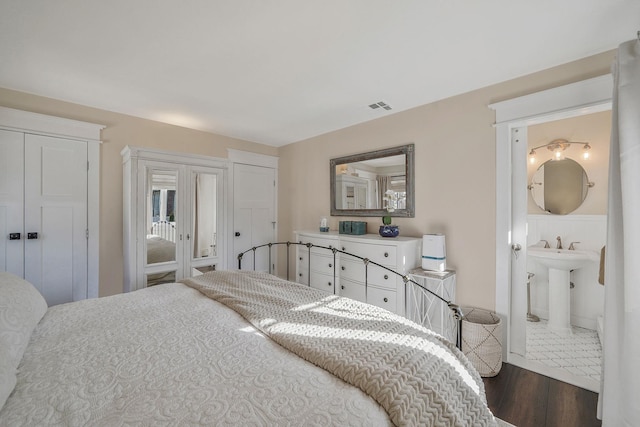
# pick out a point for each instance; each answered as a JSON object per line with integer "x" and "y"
{"x": 161, "y": 217}
{"x": 204, "y": 229}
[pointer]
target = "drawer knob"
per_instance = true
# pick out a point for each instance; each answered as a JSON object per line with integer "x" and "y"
{"x": 386, "y": 300}
{"x": 386, "y": 276}
{"x": 300, "y": 274}
{"x": 300, "y": 258}
{"x": 330, "y": 265}
{"x": 342, "y": 268}
{"x": 329, "y": 283}
{"x": 386, "y": 254}
{"x": 342, "y": 287}
{"x": 343, "y": 248}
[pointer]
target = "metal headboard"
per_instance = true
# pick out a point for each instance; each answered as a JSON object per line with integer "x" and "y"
{"x": 455, "y": 309}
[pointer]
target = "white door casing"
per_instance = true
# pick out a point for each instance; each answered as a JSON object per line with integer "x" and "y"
{"x": 584, "y": 97}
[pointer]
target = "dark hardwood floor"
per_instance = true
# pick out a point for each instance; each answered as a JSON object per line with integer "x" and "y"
{"x": 528, "y": 399}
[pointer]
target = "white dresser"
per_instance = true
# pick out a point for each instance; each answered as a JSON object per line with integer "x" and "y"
{"x": 383, "y": 288}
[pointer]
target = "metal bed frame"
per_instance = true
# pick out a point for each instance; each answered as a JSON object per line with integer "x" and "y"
{"x": 455, "y": 309}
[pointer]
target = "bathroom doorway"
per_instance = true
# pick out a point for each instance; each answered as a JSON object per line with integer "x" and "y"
{"x": 513, "y": 119}
{"x": 566, "y": 216}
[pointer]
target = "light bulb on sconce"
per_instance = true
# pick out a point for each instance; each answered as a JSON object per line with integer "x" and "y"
{"x": 558, "y": 146}
{"x": 557, "y": 154}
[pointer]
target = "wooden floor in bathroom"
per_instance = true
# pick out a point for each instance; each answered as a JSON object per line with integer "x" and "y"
{"x": 527, "y": 399}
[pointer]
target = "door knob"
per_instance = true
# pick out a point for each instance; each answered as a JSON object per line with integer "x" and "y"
{"x": 516, "y": 248}
{"x": 237, "y": 234}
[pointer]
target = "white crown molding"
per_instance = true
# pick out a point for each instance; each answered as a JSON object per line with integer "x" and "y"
{"x": 255, "y": 159}
{"x": 27, "y": 121}
{"x": 588, "y": 96}
{"x": 146, "y": 153}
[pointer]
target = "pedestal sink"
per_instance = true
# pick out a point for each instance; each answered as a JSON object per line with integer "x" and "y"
{"x": 560, "y": 262}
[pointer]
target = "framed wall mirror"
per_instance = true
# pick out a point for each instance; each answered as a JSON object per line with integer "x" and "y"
{"x": 376, "y": 183}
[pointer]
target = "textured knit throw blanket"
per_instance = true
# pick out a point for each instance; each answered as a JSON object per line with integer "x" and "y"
{"x": 418, "y": 377}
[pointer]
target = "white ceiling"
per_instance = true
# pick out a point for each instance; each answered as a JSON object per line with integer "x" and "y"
{"x": 280, "y": 71}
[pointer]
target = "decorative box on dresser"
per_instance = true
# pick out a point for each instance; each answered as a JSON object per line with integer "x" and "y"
{"x": 383, "y": 288}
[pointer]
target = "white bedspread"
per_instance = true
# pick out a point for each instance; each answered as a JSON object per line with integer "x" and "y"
{"x": 416, "y": 375}
{"x": 168, "y": 355}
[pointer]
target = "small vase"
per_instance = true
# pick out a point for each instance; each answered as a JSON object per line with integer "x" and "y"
{"x": 389, "y": 231}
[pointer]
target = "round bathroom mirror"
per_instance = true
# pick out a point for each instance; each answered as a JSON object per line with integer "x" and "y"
{"x": 559, "y": 186}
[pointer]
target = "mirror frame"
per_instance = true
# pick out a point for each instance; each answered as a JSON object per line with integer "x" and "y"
{"x": 409, "y": 167}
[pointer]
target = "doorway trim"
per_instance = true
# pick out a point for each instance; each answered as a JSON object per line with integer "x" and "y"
{"x": 584, "y": 97}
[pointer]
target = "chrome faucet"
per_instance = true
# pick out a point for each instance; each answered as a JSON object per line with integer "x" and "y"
{"x": 546, "y": 244}
{"x": 559, "y": 245}
{"x": 571, "y": 247}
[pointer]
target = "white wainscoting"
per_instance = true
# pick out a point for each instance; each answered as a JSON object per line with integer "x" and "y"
{"x": 587, "y": 297}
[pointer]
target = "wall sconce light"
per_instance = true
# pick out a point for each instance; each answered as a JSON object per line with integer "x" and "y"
{"x": 558, "y": 146}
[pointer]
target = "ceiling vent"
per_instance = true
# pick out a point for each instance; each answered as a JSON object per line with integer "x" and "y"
{"x": 380, "y": 105}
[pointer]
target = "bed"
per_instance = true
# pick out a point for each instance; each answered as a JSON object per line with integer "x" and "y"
{"x": 226, "y": 348}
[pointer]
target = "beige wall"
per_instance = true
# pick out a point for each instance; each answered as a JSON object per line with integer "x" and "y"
{"x": 592, "y": 128}
{"x": 124, "y": 130}
{"x": 455, "y": 172}
{"x": 455, "y": 169}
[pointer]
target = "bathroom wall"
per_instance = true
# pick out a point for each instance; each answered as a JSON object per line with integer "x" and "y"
{"x": 586, "y": 225}
{"x": 592, "y": 128}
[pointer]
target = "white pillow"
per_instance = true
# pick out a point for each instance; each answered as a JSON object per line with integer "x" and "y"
{"x": 21, "y": 308}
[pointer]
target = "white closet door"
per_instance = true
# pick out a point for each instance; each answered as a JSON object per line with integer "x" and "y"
{"x": 254, "y": 213}
{"x": 11, "y": 201}
{"x": 56, "y": 209}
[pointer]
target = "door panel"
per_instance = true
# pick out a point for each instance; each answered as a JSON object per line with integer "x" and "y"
{"x": 518, "y": 239}
{"x": 55, "y": 246}
{"x": 56, "y": 209}
{"x": 11, "y": 201}
{"x": 254, "y": 213}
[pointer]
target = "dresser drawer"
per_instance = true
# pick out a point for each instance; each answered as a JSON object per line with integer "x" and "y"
{"x": 382, "y": 298}
{"x": 352, "y": 290}
{"x": 382, "y": 254}
{"x": 354, "y": 270}
{"x": 302, "y": 276}
{"x": 322, "y": 282}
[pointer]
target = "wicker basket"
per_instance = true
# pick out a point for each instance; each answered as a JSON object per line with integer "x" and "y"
{"x": 482, "y": 340}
